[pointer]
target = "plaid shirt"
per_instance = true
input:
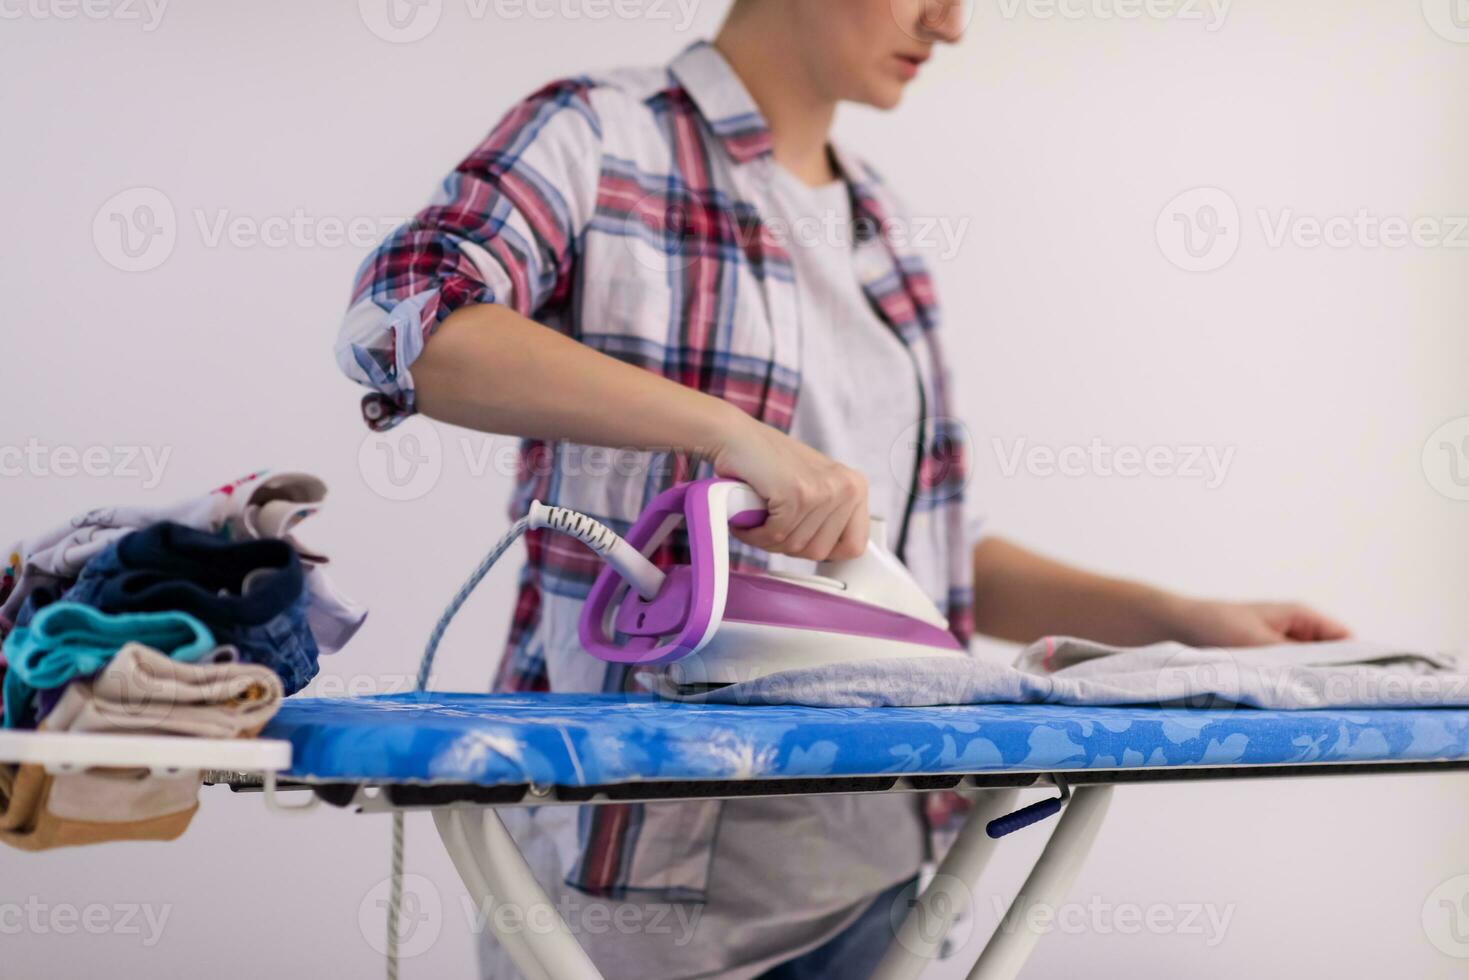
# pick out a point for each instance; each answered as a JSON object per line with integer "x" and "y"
{"x": 628, "y": 212}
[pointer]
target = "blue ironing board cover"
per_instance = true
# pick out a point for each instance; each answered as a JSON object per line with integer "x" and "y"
{"x": 590, "y": 739}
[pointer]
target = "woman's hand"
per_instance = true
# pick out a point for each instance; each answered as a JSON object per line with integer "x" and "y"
{"x": 818, "y": 507}
{"x": 1207, "y": 623}
{"x": 1022, "y": 596}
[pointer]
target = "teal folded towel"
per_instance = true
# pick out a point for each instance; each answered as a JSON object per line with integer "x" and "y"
{"x": 67, "y": 640}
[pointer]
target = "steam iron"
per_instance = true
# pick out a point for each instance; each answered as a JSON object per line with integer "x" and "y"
{"x": 706, "y": 626}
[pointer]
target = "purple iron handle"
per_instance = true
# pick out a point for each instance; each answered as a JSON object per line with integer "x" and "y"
{"x": 747, "y": 519}
{"x": 690, "y": 605}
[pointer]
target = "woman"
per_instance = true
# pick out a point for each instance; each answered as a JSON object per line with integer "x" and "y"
{"x": 613, "y": 267}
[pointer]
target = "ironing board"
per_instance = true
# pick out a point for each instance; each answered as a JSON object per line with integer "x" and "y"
{"x": 464, "y": 755}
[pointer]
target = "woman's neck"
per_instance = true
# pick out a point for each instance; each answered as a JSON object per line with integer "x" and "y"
{"x": 798, "y": 114}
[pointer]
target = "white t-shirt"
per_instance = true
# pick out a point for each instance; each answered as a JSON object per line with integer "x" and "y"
{"x": 788, "y": 874}
{"x": 791, "y": 873}
{"x": 858, "y": 401}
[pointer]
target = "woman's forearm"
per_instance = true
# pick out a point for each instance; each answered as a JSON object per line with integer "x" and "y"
{"x": 1021, "y": 596}
{"x": 489, "y": 368}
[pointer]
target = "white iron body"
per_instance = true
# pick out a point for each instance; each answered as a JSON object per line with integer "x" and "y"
{"x": 708, "y": 626}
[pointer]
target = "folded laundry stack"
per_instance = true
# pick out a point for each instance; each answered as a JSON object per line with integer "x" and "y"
{"x": 189, "y": 620}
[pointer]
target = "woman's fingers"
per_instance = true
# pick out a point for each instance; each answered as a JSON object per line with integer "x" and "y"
{"x": 821, "y": 530}
{"x": 853, "y": 540}
{"x": 824, "y": 546}
{"x": 848, "y": 493}
{"x": 785, "y": 513}
{"x": 1304, "y": 624}
{"x": 817, "y": 508}
{"x": 819, "y": 522}
{"x": 757, "y": 537}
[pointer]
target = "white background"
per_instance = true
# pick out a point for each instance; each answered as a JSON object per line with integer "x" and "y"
{"x": 1061, "y": 141}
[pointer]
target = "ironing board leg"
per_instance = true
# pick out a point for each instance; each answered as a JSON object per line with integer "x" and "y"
{"x": 496, "y": 875}
{"x": 1050, "y": 880}
{"x": 948, "y": 895}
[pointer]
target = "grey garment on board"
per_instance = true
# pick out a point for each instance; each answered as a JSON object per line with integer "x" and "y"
{"x": 1063, "y": 670}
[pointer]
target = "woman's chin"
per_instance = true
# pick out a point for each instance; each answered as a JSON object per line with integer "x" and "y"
{"x": 883, "y": 94}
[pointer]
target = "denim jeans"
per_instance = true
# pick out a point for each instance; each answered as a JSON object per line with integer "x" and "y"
{"x": 853, "y": 953}
{"x": 169, "y": 567}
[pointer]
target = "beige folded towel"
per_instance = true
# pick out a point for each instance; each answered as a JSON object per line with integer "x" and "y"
{"x": 140, "y": 692}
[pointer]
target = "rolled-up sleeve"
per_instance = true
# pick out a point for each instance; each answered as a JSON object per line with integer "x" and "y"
{"x": 502, "y": 229}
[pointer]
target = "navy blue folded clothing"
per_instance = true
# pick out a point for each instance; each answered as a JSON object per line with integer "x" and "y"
{"x": 251, "y": 594}
{"x": 224, "y": 583}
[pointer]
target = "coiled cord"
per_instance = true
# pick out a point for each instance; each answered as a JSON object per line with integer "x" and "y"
{"x": 590, "y": 532}
{"x": 425, "y": 668}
